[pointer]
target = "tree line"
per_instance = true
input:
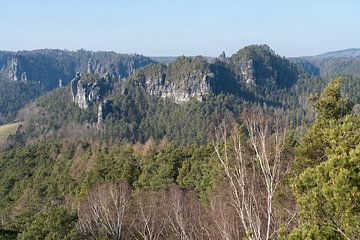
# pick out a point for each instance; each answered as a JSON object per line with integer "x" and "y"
{"x": 258, "y": 179}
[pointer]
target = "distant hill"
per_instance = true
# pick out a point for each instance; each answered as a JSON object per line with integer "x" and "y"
{"x": 342, "y": 62}
{"x": 164, "y": 59}
{"x": 24, "y": 75}
{"x": 181, "y": 101}
{"x": 169, "y": 59}
{"x": 48, "y": 66}
{"x": 351, "y": 52}
{"x": 255, "y": 74}
{"x": 252, "y": 71}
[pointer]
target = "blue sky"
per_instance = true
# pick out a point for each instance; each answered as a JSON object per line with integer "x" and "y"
{"x": 174, "y": 27}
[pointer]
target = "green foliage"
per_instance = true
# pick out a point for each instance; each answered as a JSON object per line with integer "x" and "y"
{"x": 183, "y": 67}
{"x": 328, "y": 196}
{"x": 138, "y": 116}
{"x": 47, "y": 66}
{"x": 193, "y": 168}
{"x": 351, "y": 87}
{"x": 270, "y": 68}
{"x": 6, "y": 234}
{"x": 113, "y": 164}
{"x": 160, "y": 169}
{"x": 34, "y": 174}
{"x": 327, "y": 185}
{"x": 326, "y": 181}
{"x": 59, "y": 105}
{"x": 53, "y": 223}
{"x": 331, "y": 107}
{"x": 336, "y": 66}
{"x": 15, "y": 95}
{"x": 201, "y": 171}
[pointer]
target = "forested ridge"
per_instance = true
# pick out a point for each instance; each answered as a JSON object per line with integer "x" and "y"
{"x": 271, "y": 151}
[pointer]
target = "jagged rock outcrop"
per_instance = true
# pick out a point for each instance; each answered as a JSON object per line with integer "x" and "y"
{"x": 13, "y": 68}
{"x": 23, "y": 77}
{"x": 194, "y": 86}
{"x": 73, "y": 85}
{"x": 82, "y": 94}
{"x": 95, "y": 67}
{"x": 105, "y": 107}
{"x": 247, "y": 71}
{"x": 47, "y": 66}
{"x": 130, "y": 68}
{"x": 184, "y": 79}
{"x": 260, "y": 66}
{"x": 86, "y": 93}
{"x": 252, "y": 71}
{"x": 222, "y": 56}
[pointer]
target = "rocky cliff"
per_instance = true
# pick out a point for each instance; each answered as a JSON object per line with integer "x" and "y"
{"x": 13, "y": 69}
{"x": 105, "y": 107}
{"x": 48, "y": 66}
{"x": 259, "y": 65}
{"x": 184, "y": 79}
{"x": 85, "y": 93}
{"x": 253, "y": 70}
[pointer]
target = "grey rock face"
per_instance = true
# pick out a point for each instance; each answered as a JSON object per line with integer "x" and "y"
{"x": 23, "y": 77}
{"x": 74, "y": 83}
{"x": 82, "y": 94}
{"x": 130, "y": 67}
{"x": 222, "y": 56}
{"x": 85, "y": 94}
{"x": 95, "y": 67}
{"x": 49, "y": 65}
{"x": 13, "y": 68}
{"x": 194, "y": 86}
{"x": 105, "y": 107}
{"x": 247, "y": 71}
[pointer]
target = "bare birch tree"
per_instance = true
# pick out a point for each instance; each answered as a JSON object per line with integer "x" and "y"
{"x": 150, "y": 220}
{"x": 222, "y": 221}
{"x": 103, "y": 209}
{"x": 253, "y": 177}
{"x": 183, "y": 213}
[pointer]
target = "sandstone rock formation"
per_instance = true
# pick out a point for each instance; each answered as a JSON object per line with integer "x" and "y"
{"x": 183, "y": 80}
{"x": 23, "y": 77}
{"x": 105, "y": 107}
{"x": 13, "y": 68}
{"x": 73, "y": 85}
{"x": 95, "y": 67}
{"x": 222, "y": 56}
{"x": 247, "y": 71}
{"x": 87, "y": 93}
{"x": 49, "y": 65}
{"x": 193, "y": 86}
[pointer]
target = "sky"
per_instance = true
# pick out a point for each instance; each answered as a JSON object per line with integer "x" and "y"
{"x": 180, "y": 27}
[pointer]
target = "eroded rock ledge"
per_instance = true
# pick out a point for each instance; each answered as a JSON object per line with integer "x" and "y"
{"x": 85, "y": 93}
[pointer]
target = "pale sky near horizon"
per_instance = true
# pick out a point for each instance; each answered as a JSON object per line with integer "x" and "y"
{"x": 174, "y": 27}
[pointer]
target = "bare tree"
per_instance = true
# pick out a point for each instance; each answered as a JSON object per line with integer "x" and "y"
{"x": 150, "y": 220}
{"x": 222, "y": 221}
{"x": 103, "y": 209}
{"x": 183, "y": 214}
{"x": 253, "y": 177}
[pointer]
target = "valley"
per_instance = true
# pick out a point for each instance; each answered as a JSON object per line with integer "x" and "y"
{"x": 183, "y": 146}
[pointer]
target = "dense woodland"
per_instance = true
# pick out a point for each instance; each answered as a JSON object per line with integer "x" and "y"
{"x": 281, "y": 160}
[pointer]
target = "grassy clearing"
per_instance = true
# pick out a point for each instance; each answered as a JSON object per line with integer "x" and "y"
{"x": 7, "y": 129}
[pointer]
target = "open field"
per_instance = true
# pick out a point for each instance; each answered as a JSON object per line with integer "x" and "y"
{"x": 7, "y": 129}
